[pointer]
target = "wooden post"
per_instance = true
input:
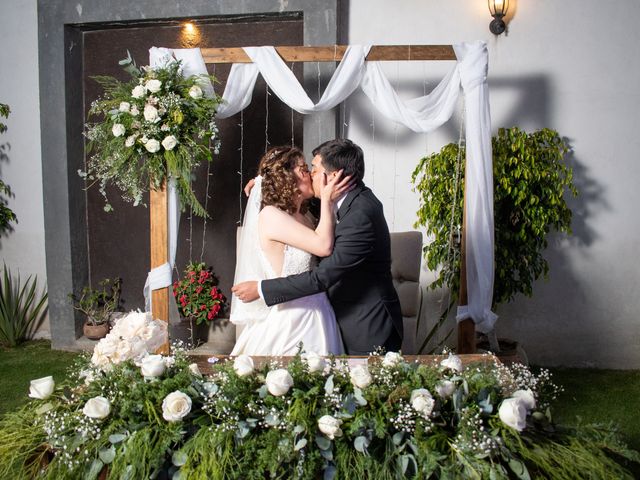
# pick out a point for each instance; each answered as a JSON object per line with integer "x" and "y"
{"x": 158, "y": 206}
{"x": 466, "y": 328}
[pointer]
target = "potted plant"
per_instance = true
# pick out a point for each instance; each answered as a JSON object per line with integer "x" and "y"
{"x": 199, "y": 301}
{"x": 530, "y": 180}
{"x": 98, "y": 305}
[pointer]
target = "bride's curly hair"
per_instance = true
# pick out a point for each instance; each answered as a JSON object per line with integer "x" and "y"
{"x": 279, "y": 181}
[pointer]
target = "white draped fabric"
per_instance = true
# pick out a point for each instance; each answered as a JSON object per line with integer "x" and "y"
{"x": 421, "y": 114}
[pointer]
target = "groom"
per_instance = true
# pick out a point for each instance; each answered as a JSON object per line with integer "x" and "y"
{"x": 357, "y": 275}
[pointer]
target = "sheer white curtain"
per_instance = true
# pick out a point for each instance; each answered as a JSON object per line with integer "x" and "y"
{"x": 421, "y": 114}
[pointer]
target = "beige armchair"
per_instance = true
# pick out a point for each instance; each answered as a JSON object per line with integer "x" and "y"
{"x": 406, "y": 254}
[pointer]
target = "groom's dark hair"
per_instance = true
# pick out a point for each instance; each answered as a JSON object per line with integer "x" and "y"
{"x": 342, "y": 154}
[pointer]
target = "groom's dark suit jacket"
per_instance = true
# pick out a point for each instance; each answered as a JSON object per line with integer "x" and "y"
{"x": 356, "y": 277}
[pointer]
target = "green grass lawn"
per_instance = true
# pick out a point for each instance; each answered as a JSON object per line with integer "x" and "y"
{"x": 596, "y": 396}
{"x": 22, "y": 364}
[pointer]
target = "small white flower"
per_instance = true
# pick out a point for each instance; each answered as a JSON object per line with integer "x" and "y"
{"x": 391, "y": 359}
{"x": 124, "y": 106}
{"x": 152, "y": 145}
{"x": 176, "y": 406}
{"x": 243, "y": 365}
{"x": 130, "y": 141}
{"x": 330, "y": 426}
{"x": 193, "y": 368}
{"x": 134, "y": 111}
{"x": 513, "y": 413}
{"x": 118, "y": 130}
{"x": 151, "y": 113}
{"x": 360, "y": 376}
{"x": 279, "y": 382}
{"x": 527, "y": 398}
{"x": 41, "y": 388}
{"x": 97, "y": 407}
{"x": 445, "y": 388}
{"x": 88, "y": 376}
{"x": 314, "y": 361}
{"x": 152, "y": 366}
{"x": 165, "y": 128}
{"x": 153, "y": 85}
{"x": 453, "y": 363}
{"x": 195, "y": 92}
{"x": 169, "y": 142}
{"x": 422, "y": 401}
{"x": 138, "y": 91}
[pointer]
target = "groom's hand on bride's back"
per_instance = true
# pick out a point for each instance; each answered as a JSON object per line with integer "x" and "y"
{"x": 246, "y": 291}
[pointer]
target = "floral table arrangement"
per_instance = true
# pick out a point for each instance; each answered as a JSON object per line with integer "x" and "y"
{"x": 127, "y": 413}
{"x": 159, "y": 124}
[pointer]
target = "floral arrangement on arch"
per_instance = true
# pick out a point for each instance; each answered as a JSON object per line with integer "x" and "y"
{"x": 156, "y": 416}
{"x": 197, "y": 294}
{"x": 159, "y": 124}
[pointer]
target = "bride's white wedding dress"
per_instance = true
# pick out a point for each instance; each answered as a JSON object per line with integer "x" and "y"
{"x": 309, "y": 320}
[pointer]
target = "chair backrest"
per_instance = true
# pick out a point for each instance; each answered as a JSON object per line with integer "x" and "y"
{"x": 406, "y": 254}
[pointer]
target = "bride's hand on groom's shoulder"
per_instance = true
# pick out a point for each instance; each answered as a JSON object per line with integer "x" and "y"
{"x": 246, "y": 291}
{"x": 249, "y": 186}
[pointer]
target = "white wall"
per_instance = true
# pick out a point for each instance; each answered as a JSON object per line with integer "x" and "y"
{"x": 22, "y": 250}
{"x": 560, "y": 66}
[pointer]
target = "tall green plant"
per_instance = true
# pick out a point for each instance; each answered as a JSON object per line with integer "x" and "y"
{"x": 6, "y": 214}
{"x": 530, "y": 181}
{"x": 22, "y": 310}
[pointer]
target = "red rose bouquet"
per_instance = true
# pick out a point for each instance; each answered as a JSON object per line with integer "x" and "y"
{"x": 197, "y": 294}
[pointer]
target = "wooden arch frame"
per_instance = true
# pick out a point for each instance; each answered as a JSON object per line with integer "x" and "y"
{"x": 332, "y": 53}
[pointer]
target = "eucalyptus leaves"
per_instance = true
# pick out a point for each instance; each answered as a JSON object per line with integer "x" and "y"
{"x": 158, "y": 125}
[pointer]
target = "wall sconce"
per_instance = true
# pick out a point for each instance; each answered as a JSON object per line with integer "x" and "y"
{"x": 498, "y": 9}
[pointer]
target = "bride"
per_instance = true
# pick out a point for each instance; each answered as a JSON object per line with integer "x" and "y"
{"x": 278, "y": 239}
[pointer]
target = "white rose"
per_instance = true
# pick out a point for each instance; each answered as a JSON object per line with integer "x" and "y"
{"x": 193, "y": 368}
{"x": 117, "y": 129}
{"x": 151, "y": 113}
{"x": 41, "y": 388}
{"x": 422, "y": 401}
{"x": 445, "y": 388}
{"x": 97, "y": 407}
{"x": 453, "y": 363}
{"x": 195, "y": 92}
{"x": 138, "y": 91}
{"x": 243, "y": 365}
{"x": 153, "y": 85}
{"x": 134, "y": 111}
{"x": 152, "y": 366}
{"x": 124, "y": 106}
{"x": 176, "y": 406}
{"x": 391, "y": 359}
{"x": 314, "y": 361}
{"x": 279, "y": 382}
{"x": 527, "y": 398}
{"x": 169, "y": 142}
{"x": 513, "y": 413}
{"x": 131, "y": 139}
{"x": 360, "y": 376}
{"x": 330, "y": 426}
{"x": 152, "y": 145}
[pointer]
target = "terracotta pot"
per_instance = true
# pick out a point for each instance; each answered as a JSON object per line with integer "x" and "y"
{"x": 95, "y": 332}
{"x": 510, "y": 351}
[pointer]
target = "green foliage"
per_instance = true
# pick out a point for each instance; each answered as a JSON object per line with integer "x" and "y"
{"x": 22, "y": 308}
{"x": 530, "y": 181}
{"x": 98, "y": 304}
{"x": 236, "y": 428}
{"x": 6, "y": 214}
{"x": 157, "y": 125}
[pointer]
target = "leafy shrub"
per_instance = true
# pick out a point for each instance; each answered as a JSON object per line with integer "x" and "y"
{"x": 22, "y": 311}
